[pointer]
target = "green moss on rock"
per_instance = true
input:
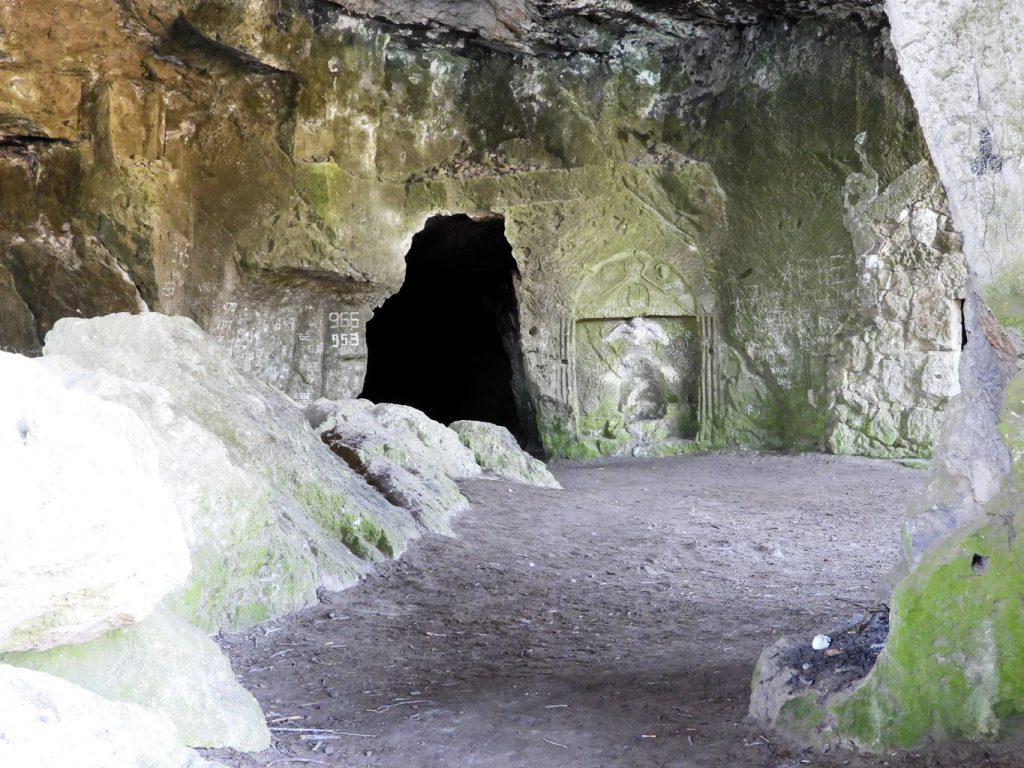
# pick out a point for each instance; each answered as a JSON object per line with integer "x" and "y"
{"x": 952, "y": 667}
{"x": 801, "y": 717}
{"x": 331, "y": 510}
{"x": 248, "y": 571}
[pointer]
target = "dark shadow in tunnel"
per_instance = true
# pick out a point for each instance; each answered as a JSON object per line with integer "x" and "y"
{"x": 448, "y": 342}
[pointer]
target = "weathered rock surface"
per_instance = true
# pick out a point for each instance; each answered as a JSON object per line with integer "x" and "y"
{"x": 16, "y": 319}
{"x": 409, "y": 458}
{"x": 91, "y": 539}
{"x": 168, "y": 667}
{"x": 952, "y": 667}
{"x": 525, "y": 24}
{"x": 969, "y": 121}
{"x": 713, "y": 156}
{"x": 788, "y": 277}
{"x": 51, "y": 722}
{"x": 499, "y": 455}
{"x": 269, "y": 514}
{"x": 397, "y": 432}
{"x": 414, "y": 461}
{"x": 899, "y": 367}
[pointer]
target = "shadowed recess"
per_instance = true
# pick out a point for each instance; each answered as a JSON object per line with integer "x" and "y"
{"x": 448, "y": 342}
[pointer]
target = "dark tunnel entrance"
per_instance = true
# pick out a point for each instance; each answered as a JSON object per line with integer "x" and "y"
{"x": 448, "y": 342}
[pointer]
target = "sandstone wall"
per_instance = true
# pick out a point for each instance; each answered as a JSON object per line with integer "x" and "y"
{"x": 262, "y": 167}
{"x": 951, "y": 668}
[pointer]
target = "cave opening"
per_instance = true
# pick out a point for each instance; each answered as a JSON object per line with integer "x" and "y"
{"x": 448, "y": 342}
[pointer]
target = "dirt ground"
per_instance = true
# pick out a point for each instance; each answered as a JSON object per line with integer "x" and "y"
{"x": 614, "y": 623}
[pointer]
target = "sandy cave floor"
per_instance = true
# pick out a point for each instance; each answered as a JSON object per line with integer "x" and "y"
{"x": 615, "y": 623}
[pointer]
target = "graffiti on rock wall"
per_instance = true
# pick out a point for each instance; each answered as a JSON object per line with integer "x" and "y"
{"x": 308, "y": 350}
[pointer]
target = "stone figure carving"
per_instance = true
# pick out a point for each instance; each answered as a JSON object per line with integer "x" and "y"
{"x": 635, "y": 353}
{"x": 643, "y": 374}
{"x": 634, "y": 296}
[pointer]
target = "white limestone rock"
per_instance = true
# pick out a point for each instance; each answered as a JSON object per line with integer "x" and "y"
{"x": 498, "y": 454}
{"x": 940, "y": 377}
{"x": 924, "y": 226}
{"x": 270, "y": 514}
{"x": 51, "y": 723}
{"x": 905, "y": 344}
{"x": 166, "y": 666}
{"x": 961, "y": 62}
{"x": 397, "y": 431}
{"x": 408, "y": 457}
{"x": 91, "y": 540}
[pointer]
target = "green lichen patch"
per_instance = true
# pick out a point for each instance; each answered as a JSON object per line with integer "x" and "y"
{"x": 801, "y": 718}
{"x": 332, "y": 511}
{"x": 952, "y": 668}
{"x": 244, "y": 568}
{"x": 1005, "y": 303}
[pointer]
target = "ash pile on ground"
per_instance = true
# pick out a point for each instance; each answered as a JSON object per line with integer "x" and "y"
{"x": 850, "y": 656}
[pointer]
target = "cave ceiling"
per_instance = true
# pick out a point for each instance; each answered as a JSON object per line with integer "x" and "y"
{"x": 554, "y": 24}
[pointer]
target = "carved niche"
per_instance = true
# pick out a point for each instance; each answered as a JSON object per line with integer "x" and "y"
{"x": 636, "y": 354}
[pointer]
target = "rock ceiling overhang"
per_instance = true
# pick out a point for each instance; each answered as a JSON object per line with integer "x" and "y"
{"x": 532, "y": 24}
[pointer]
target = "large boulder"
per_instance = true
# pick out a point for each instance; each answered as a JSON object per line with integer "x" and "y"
{"x": 952, "y": 668}
{"x": 496, "y": 451}
{"x": 167, "y": 666}
{"x": 270, "y": 515}
{"x": 91, "y": 540}
{"x": 414, "y": 461}
{"x": 407, "y": 456}
{"x": 51, "y": 722}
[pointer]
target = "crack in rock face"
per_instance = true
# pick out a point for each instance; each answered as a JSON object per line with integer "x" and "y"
{"x": 527, "y": 24}
{"x": 717, "y": 11}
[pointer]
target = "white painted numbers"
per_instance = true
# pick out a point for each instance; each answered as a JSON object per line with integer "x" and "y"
{"x": 178, "y": 266}
{"x": 310, "y": 345}
{"x": 342, "y": 325}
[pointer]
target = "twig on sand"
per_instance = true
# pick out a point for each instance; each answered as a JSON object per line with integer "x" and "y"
{"x": 297, "y": 760}
{"x": 321, "y": 731}
{"x": 385, "y": 707}
{"x": 555, "y": 743}
{"x": 879, "y": 608}
{"x": 315, "y": 660}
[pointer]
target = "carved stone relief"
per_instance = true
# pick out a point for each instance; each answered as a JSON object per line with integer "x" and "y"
{"x": 636, "y": 349}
